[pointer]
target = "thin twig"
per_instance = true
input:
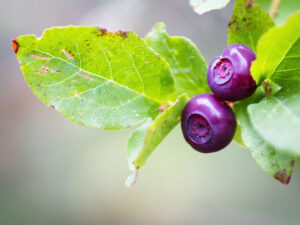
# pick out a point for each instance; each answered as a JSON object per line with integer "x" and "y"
{"x": 274, "y": 8}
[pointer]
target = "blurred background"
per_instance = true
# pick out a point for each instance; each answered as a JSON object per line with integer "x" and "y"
{"x": 55, "y": 172}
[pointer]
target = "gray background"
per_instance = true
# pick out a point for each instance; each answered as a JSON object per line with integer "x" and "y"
{"x": 55, "y": 172}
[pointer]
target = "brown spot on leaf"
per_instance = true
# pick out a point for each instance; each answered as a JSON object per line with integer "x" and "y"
{"x": 85, "y": 76}
{"x": 292, "y": 163}
{"x": 123, "y": 34}
{"x": 39, "y": 57}
{"x": 161, "y": 108}
{"x": 103, "y": 31}
{"x": 15, "y": 45}
{"x": 164, "y": 106}
{"x": 108, "y": 51}
{"x": 250, "y": 4}
{"x": 69, "y": 55}
{"x": 282, "y": 176}
{"x": 268, "y": 89}
{"x": 45, "y": 68}
{"x": 232, "y": 21}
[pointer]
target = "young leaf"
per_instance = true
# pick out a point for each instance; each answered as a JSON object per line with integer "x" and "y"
{"x": 94, "y": 77}
{"x": 277, "y": 119}
{"x": 248, "y": 23}
{"x": 203, "y": 6}
{"x": 149, "y": 135}
{"x": 278, "y": 54}
{"x": 277, "y": 164}
{"x": 187, "y": 64}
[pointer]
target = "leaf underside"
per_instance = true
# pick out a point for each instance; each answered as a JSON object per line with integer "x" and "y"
{"x": 148, "y": 136}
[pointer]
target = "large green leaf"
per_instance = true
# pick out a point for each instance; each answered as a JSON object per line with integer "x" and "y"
{"x": 149, "y": 135}
{"x": 248, "y": 23}
{"x": 202, "y": 6}
{"x": 187, "y": 64}
{"x": 286, "y": 8}
{"x": 94, "y": 77}
{"x": 277, "y": 164}
{"x": 277, "y": 119}
{"x": 278, "y": 54}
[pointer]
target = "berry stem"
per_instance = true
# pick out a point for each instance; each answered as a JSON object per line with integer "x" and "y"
{"x": 274, "y": 8}
{"x": 230, "y": 103}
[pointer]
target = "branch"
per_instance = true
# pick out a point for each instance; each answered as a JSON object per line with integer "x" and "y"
{"x": 274, "y": 8}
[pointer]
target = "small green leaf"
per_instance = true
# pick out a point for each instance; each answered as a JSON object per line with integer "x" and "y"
{"x": 187, "y": 64}
{"x": 277, "y": 119}
{"x": 248, "y": 23}
{"x": 150, "y": 134}
{"x": 286, "y": 8}
{"x": 203, "y": 6}
{"x": 278, "y": 54}
{"x": 94, "y": 77}
{"x": 276, "y": 163}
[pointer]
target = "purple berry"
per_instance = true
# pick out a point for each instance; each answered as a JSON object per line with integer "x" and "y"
{"x": 229, "y": 75}
{"x": 208, "y": 124}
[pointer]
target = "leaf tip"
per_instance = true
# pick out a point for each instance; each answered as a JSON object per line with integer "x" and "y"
{"x": 282, "y": 176}
{"x": 131, "y": 179}
{"x": 160, "y": 26}
{"x": 15, "y": 45}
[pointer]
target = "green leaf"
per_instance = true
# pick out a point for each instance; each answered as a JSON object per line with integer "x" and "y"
{"x": 286, "y": 8}
{"x": 248, "y": 23}
{"x": 203, "y": 6}
{"x": 276, "y": 163}
{"x": 187, "y": 64}
{"x": 150, "y": 134}
{"x": 277, "y": 119}
{"x": 238, "y": 136}
{"x": 94, "y": 77}
{"x": 278, "y": 54}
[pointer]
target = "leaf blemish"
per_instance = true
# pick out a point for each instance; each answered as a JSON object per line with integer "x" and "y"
{"x": 282, "y": 177}
{"x": 15, "y": 45}
{"x": 103, "y": 31}
{"x": 39, "y": 57}
{"x": 250, "y": 4}
{"x": 45, "y": 68}
{"x": 108, "y": 51}
{"x": 69, "y": 56}
{"x": 123, "y": 34}
{"x": 292, "y": 163}
{"x": 85, "y": 76}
